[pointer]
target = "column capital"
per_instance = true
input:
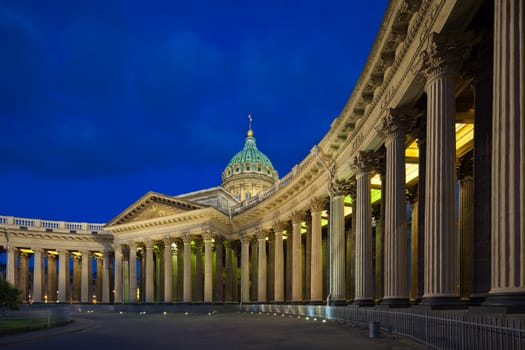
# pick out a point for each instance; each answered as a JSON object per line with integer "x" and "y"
{"x": 149, "y": 243}
{"x": 245, "y": 238}
{"x": 297, "y": 216}
{"x": 278, "y": 226}
{"x": 38, "y": 250}
{"x": 261, "y": 234}
{"x": 411, "y": 194}
{"x": 117, "y": 247}
{"x": 393, "y": 124}
{"x": 317, "y": 204}
{"x": 207, "y": 235}
{"x": 132, "y": 245}
{"x": 339, "y": 187}
{"x": 465, "y": 167}
{"x": 186, "y": 238}
{"x": 63, "y": 252}
{"x": 364, "y": 161}
{"x": 168, "y": 240}
{"x": 198, "y": 242}
{"x": 444, "y": 54}
{"x": 352, "y": 189}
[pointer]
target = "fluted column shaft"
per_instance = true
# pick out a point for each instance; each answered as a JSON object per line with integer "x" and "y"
{"x": 316, "y": 257}
{"x": 105, "y": 277}
{"x": 118, "y": 274}
{"x": 208, "y": 271}
{"x": 297, "y": 272}
{"x": 23, "y": 275}
{"x": 338, "y": 242}
{"x": 395, "y": 267}
{"x": 150, "y": 261}
{"x": 219, "y": 282}
{"x": 466, "y": 244}
{"x": 85, "y": 278}
{"x": 132, "y": 272}
{"x": 37, "y": 275}
{"x": 11, "y": 265}
{"x": 187, "y": 269}
{"x": 168, "y": 272}
{"x": 363, "y": 239}
{"x": 441, "y": 268}
{"x": 245, "y": 269}
{"x": 278, "y": 294}
{"x": 508, "y": 156}
{"x": 63, "y": 275}
{"x": 262, "y": 268}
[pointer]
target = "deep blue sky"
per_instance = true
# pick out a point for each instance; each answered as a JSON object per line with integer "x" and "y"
{"x": 102, "y": 101}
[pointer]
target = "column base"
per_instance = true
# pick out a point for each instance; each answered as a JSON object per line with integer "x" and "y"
{"x": 316, "y": 302}
{"x": 395, "y": 302}
{"x": 478, "y": 299}
{"x": 509, "y": 302}
{"x": 339, "y": 303}
{"x": 442, "y": 303}
{"x": 364, "y": 302}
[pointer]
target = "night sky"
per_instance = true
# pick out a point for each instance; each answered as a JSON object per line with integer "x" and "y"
{"x": 102, "y": 101}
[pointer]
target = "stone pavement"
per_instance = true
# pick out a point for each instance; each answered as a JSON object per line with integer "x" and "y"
{"x": 129, "y": 331}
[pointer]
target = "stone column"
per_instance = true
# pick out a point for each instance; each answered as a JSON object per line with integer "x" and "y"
{"x": 235, "y": 268}
{"x": 117, "y": 299}
{"x": 245, "y": 268}
{"x": 23, "y": 276}
{"x": 168, "y": 271}
{"x": 11, "y": 253}
{"x": 180, "y": 270}
{"x": 63, "y": 275}
{"x": 199, "y": 275}
{"x": 253, "y": 269}
{"x": 412, "y": 198}
{"x": 307, "y": 254}
{"x": 98, "y": 286}
{"x": 316, "y": 257}
{"x": 270, "y": 270}
{"x": 261, "y": 275}
{"x": 228, "y": 287}
{"x": 508, "y": 157}
{"x": 482, "y": 73}
{"x": 441, "y": 261}
{"x": 466, "y": 226}
{"x": 85, "y": 277}
{"x": 419, "y": 133}
{"x": 297, "y": 270}
{"x": 353, "y": 195}
{"x": 219, "y": 283}
{"x": 149, "y": 262}
{"x": 363, "y": 241}
{"x": 338, "y": 190}
{"x": 105, "y": 276}
{"x": 278, "y": 293}
{"x": 37, "y": 275}
{"x": 187, "y": 297}
{"x": 77, "y": 278}
{"x": 207, "y": 236}
{"x": 395, "y": 266}
{"x": 52, "y": 287}
{"x": 132, "y": 272}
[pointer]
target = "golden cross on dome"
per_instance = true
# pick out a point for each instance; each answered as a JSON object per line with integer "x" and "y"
{"x": 250, "y": 131}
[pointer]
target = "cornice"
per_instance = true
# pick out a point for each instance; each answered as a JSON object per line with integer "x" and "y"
{"x": 192, "y": 216}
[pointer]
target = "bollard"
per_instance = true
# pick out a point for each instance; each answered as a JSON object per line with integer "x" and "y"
{"x": 373, "y": 329}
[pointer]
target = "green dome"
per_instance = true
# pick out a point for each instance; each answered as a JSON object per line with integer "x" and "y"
{"x": 250, "y": 161}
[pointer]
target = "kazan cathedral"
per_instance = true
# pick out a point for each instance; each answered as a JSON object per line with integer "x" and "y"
{"x": 414, "y": 198}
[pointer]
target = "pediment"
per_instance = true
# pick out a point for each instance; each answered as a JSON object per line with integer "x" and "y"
{"x": 153, "y": 205}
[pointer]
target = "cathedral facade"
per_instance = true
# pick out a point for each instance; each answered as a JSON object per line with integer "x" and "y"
{"x": 416, "y": 194}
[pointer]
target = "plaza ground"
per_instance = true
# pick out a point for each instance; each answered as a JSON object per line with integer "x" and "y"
{"x": 102, "y": 330}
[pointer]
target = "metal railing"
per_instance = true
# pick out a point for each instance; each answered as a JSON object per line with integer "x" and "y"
{"x": 31, "y": 317}
{"x": 434, "y": 329}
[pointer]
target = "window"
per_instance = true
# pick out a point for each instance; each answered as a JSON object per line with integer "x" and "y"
{"x": 247, "y": 168}
{"x": 248, "y": 195}
{"x": 238, "y": 197}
